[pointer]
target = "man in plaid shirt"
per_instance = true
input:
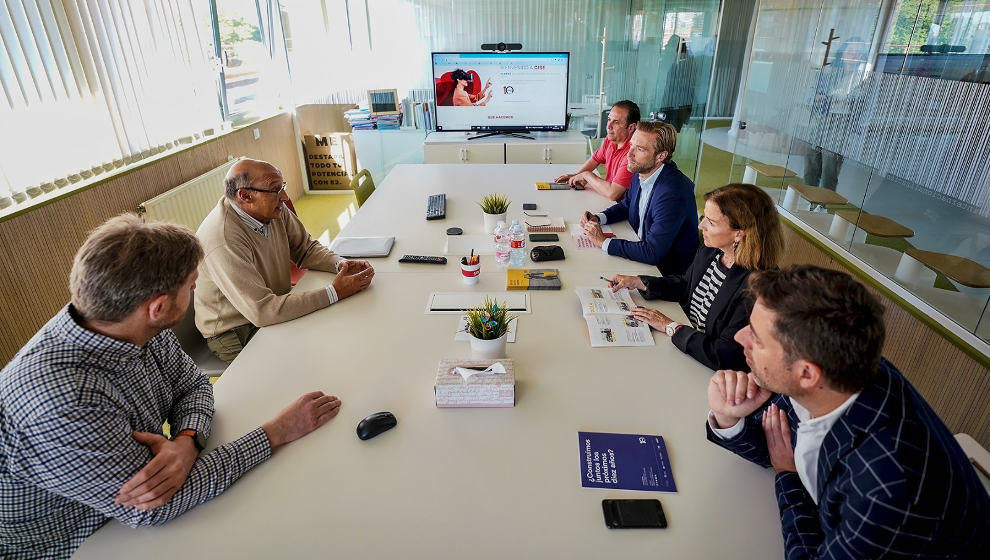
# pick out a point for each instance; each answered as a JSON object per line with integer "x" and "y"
{"x": 83, "y": 403}
{"x": 865, "y": 468}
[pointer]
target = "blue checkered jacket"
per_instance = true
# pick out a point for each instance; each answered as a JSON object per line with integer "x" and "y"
{"x": 69, "y": 401}
{"x": 892, "y": 482}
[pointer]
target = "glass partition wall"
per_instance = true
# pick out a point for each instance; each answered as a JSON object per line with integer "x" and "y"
{"x": 868, "y": 122}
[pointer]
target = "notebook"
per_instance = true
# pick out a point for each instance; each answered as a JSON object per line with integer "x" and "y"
{"x": 532, "y": 279}
{"x": 362, "y": 246}
{"x": 546, "y": 186}
{"x": 539, "y": 224}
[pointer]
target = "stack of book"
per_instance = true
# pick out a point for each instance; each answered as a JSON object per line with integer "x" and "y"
{"x": 360, "y": 119}
{"x": 388, "y": 122}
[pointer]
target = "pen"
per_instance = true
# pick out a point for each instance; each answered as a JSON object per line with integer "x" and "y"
{"x": 607, "y": 280}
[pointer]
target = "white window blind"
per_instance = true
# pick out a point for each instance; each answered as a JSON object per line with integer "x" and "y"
{"x": 90, "y": 85}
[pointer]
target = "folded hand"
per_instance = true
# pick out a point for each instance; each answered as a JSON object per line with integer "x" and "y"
{"x": 162, "y": 477}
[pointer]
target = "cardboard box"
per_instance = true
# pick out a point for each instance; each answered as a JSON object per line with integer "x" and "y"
{"x": 480, "y": 390}
{"x": 330, "y": 160}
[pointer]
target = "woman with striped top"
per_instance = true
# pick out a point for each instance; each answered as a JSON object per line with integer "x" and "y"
{"x": 741, "y": 233}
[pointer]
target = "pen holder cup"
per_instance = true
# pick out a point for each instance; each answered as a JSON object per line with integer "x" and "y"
{"x": 470, "y": 272}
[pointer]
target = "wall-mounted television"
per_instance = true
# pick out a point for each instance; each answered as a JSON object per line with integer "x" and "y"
{"x": 510, "y": 92}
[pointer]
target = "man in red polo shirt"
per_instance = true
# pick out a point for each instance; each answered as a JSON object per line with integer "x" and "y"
{"x": 622, "y": 121}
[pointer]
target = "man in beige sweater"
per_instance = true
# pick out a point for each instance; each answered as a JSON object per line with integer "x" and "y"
{"x": 250, "y": 238}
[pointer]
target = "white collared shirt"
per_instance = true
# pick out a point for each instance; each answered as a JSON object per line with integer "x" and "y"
{"x": 645, "y": 189}
{"x": 811, "y": 433}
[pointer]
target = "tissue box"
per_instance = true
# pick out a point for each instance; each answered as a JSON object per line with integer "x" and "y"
{"x": 479, "y": 390}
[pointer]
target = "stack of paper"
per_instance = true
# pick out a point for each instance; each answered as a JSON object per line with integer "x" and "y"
{"x": 359, "y": 119}
{"x": 388, "y": 122}
{"x": 471, "y": 388}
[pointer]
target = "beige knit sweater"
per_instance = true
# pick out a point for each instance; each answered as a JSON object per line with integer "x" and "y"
{"x": 244, "y": 277}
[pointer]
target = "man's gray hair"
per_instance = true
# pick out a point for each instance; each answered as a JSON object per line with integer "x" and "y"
{"x": 126, "y": 262}
{"x": 234, "y": 182}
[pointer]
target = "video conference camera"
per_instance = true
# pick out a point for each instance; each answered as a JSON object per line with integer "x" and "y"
{"x": 501, "y": 47}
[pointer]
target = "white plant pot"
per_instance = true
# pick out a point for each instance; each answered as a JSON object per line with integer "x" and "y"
{"x": 492, "y": 220}
{"x": 488, "y": 349}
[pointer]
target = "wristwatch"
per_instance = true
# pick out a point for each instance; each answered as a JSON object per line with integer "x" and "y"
{"x": 671, "y": 328}
{"x": 194, "y": 435}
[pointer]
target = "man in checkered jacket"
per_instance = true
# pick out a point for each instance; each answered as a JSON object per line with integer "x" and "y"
{"x": 865, "y": 468}
{"x": 83, "y": 403}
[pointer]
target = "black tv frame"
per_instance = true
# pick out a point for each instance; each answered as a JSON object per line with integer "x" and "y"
{"x": 494, "y": 130}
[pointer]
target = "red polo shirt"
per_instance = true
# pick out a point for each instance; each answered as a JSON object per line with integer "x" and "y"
{"x": 614, "y": 158}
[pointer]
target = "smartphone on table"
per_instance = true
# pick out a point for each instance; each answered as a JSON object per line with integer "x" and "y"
{"x": 634, "y": 514}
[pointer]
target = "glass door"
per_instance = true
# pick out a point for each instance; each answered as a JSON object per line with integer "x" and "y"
{"x": 867, "y": 121}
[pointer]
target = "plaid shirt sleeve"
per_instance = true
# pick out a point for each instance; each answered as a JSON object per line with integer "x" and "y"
{"x": 193, "y": 407}
{"x": 87, "y": 454}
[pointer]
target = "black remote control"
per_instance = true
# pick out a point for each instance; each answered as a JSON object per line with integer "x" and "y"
{"x": 423, "y": 259}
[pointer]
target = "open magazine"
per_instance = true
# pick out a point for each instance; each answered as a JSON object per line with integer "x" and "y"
{"x": 608, "y": 318}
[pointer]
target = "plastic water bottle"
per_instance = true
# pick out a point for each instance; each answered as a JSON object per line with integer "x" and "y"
{"x": 502, "y": 244}
{"x": 517, "y": 245}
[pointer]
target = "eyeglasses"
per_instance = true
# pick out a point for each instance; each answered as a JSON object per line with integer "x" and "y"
{"x": 275, "y": 192}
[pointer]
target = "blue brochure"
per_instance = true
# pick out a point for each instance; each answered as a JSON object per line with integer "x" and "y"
{"x": 625, "y": 461}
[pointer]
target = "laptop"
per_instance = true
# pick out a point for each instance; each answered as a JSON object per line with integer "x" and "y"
{"x": 362, "y": 246}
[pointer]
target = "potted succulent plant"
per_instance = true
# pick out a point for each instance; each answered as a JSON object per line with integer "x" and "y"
{"x": 494, "y": 206}
{"x": 488, "y": 327}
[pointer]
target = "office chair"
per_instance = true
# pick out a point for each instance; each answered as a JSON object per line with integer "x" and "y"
{"x": 193, "y": 343}
{"x": 363, "y": 185}
{"x": 295, "y": 273}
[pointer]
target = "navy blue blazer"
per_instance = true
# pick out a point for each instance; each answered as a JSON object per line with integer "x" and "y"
{"x": 892, "y": 482}
{"x": 715, "y": 346}
{"x": 670, "y": 223}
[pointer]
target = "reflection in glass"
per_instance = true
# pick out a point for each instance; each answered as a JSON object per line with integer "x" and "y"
{"x": 889, "y": 110}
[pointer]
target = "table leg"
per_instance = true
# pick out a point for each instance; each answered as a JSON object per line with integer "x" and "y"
{"x": 908, "y": 270}
{"x": 790, "y": 199}
{"x": 749, "y": 176}
{"x": 839, "y": 229}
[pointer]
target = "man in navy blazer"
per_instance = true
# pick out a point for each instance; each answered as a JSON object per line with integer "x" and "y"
{"x": 659, "y": 205}
{"x": 865, "y": 468}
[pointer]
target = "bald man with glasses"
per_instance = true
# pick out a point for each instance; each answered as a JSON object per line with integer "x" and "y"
{"x": 250, "y": 239}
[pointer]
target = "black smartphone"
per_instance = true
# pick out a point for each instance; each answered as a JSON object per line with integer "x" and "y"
{"x": 634, "y": 514}
{"x": 578, "y": 187}
{"x": 529, "y": 206}
{"x": 543, "y": 237}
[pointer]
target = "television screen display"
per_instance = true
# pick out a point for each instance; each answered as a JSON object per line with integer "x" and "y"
{"x": 500, "y": 91}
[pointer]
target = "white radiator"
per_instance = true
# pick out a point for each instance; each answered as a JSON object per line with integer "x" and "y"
{"x": 189, "y": 203}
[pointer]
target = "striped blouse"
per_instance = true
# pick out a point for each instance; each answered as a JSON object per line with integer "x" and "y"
{"x": 705, "y": 292}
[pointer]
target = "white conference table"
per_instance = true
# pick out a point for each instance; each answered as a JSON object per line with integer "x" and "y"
{"x": 445, "y": 483}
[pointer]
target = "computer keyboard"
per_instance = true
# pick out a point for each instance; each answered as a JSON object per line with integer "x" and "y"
{"x": 436, "y": 206}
